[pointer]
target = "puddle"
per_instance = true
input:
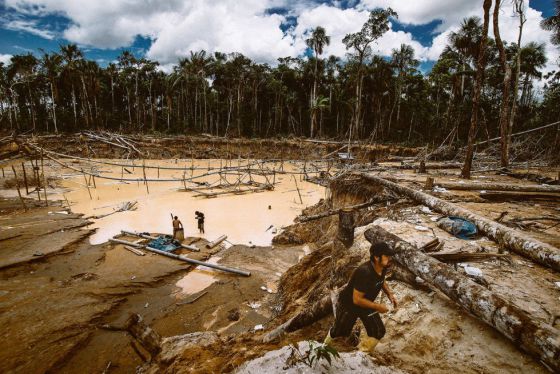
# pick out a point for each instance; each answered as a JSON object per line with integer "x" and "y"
{"x": 198, "y": 279}
{"x": 245, "y": 219}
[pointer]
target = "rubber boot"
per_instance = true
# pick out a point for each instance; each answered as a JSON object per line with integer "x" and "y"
{"x": 328, "y": 339}
{"x": 367, "y": 344}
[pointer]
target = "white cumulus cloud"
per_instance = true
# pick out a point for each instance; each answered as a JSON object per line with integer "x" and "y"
{"x": 5, "y": 58}
{"x": 178, "y": 26}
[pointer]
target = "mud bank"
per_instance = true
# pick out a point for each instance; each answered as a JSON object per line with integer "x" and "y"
{"x": 210, "y": 147}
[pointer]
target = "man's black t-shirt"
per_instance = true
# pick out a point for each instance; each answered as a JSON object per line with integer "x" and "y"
{"x": 366, "y": 280}
{"x": 200, "y": 218}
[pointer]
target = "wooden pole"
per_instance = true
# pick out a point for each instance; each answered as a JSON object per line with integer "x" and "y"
{"x": 44, "y": 179}
{"x": 145, "y": 179}
{"x": 18, "y": 191}
{"x": 299, "y": 193}
{"x": 25, "y": 178}
{"x": 36, "y": 174}
{"x": 4, "y": 175}
{"x": 87, "y": 185}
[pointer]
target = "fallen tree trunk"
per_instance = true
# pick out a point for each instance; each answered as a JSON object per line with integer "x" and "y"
{"x": 453, "y": 165}
{"x": 307, "y": 316}
{"x": 332, "y": 212}
{"x": 144, "y": 334}
{"x": 518, "y": 196}
{"x": 512, "y": 239}
{"x": 498, "y": 187}
{"x": 532, "y": 336}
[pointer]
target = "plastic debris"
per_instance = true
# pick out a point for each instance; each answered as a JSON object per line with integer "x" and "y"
{"x": 421, "y": 228}
{"x": 440, "y": 189}
{"x": 425, "y": 209}
{"x": 258, "y": 327}
{"x": 557, "y": 284}
{"x": 474, "y": 271}
{"x": 254, "y": 305}
{"x": 459, "y": 227}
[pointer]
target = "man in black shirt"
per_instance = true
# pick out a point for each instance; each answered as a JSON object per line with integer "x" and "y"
{"x": 357, "y": 299}
{"x": 200, "y": 219}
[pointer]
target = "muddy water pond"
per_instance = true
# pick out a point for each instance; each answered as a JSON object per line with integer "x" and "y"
{"x": 250, "y": 218}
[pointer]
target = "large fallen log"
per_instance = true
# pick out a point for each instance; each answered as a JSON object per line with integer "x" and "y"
{"x": 332, "y": 212}
{"x": 512, "y": 239}
{"x": 453, "y": 165}
{"x": 144, "y": 334}
{"x": 498, "y": 187}
{"x": 518, "y": 196}
{"x": 532, "y": 336}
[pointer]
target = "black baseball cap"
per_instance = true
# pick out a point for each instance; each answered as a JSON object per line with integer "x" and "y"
{"x": 381, "y": 248}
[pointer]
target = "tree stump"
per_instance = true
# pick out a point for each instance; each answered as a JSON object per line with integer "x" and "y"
{"x": 422, "y": 168}
{"x": 429, "y": 183}
{"x": 144, "y": 334}
{"x": 346, "y": 227}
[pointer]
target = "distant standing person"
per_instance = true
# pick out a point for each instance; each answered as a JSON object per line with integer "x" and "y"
{"x": 357, "y": 299}
{"x": 200, "y": 219}
{"x": 177, "y": 226}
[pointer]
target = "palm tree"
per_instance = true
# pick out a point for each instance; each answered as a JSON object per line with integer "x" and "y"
{"x": 51, "y": 66}
{"x": 318, "y": 40}
{"x": 480, "y": 65}
{"x": 533, "y": 58}
{"x": 71, "y": 54}
{"x": 466, "y": 42}
{"x": 552, "y": 23}
{"x": 402, "y": 60}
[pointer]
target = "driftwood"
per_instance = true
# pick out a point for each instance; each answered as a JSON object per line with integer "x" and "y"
{"x": 498, "y": 187}
{"x": 515, "y": 240}
{"x": 534, "y": 337}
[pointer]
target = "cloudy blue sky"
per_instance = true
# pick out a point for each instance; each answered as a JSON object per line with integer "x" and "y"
{"x": 165, "y": 30}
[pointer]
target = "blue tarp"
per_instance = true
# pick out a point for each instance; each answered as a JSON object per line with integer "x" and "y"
{"x": 459, "y": 227}
{"x": 164, "y": 243}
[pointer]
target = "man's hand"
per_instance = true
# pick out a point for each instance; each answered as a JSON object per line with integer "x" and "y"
{"x": 382, "y": 308}
{"x": 394, "y": 301}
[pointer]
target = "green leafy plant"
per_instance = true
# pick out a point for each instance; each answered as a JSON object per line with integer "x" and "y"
{"x": 315, "y": 353}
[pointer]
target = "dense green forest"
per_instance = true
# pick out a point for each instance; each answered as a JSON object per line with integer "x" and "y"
{"x": 364, "y": 96}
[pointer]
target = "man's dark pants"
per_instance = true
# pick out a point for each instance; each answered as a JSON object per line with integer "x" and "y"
{"x": 346, "y": 319}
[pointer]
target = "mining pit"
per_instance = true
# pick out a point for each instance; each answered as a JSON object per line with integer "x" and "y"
{"x": 68, "y": 293}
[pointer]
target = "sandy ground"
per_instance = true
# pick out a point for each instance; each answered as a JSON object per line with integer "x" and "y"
{"x": 59, "y": 287}
{"x": 58, "y": 290}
